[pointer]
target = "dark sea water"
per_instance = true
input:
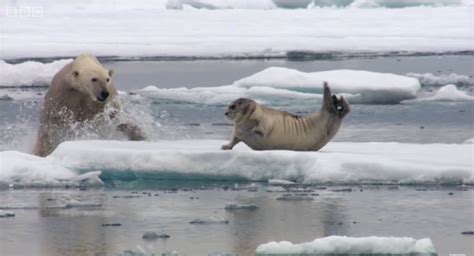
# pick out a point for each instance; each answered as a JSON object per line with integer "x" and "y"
{"x": 43, "y": 226}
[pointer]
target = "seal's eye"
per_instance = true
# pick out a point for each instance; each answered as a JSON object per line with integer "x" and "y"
{"x": 232, "y": 107}
{"x": 94, "y": 79}
{"x": 108, "y": 79}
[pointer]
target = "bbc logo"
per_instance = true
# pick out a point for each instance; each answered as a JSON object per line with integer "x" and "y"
{"x": 25, "y": 11}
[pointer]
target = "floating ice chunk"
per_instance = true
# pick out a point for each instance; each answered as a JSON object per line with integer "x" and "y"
{"x": 150, "y": 235}
{"x": 295, "y": 197}
{"x": 276, "y": 189}
{"x": 29, "y": 73}
{"x": 209, "y": 220}
{"x": 338, "y": 163}
{"x": 237, "y": 206}
{"x": 89, "y": 179}
{"x": 25, "y": 168}
{"x": 372, "y": 86}
{"x": 428, "y": 79}
{"x": 448, "y": 93}
{"x": 82, "y": 205}
{"x": 469, "y": 141}
{"x": 280, "y": 182}
{"x": 5, "y": 214}
{"x": 341, "y": 245}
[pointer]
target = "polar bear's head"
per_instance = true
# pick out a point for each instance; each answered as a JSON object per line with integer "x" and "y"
{"x": 88, "y": 76}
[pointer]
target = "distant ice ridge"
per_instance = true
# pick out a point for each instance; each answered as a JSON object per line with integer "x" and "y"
{"x": 154, "y": 31}
{"x": 342, "y": 245}
{"x": 29, "y": 73}
{"x": 339, "y": 163}
{"x": 232, "y": 4}
{"x": 277, "y": 85}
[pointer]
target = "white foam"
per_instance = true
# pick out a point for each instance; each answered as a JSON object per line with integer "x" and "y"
{"x": 351, "y": 245}
{"x": 448, "y": 93}
{"x": 29, "y": 73}
{"x": 154, "y": 31}
{"x": 336, "y": 163}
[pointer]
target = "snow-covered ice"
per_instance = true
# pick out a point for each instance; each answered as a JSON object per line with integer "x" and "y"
{"x": 341, "y": 245}
{"x": 145, "y": 28}
{"x": 338, "y": 163}
{"x": 29, "y": 73}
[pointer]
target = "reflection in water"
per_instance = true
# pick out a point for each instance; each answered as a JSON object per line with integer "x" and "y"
{"x": 277, "y": 220}
{"x": 72, "y": 223}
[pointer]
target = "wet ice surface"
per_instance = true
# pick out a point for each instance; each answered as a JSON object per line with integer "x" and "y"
{"x": 440, "y": 213}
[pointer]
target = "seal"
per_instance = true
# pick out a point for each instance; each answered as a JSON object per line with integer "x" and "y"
{"x": 264, "y": 128}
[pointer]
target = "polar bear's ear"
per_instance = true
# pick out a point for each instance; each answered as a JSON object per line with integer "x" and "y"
{"x": 75, "y": 73}
{"x": 111, "y": 72}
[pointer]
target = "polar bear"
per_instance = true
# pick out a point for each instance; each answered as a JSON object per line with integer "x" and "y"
{"x": 79, "y": 93}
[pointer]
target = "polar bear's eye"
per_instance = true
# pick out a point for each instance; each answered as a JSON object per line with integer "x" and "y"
{"x": 94, "y": 79}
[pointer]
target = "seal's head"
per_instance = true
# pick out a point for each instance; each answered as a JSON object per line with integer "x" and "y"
{"x": 339, "y": 107}
{"x": 239, "y": 109}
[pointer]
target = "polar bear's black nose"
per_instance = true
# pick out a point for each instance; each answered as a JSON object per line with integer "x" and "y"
{"x": 103, "y": 95}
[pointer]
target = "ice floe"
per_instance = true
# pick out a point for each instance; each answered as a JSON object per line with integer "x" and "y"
{"x": 342, "y": 245}
{"x": 154, "y": 31}
{"x": 237, "y": 206}
{"x": 368, "y": 86}
{"x": 29, "y": 73}
{"x": 277, "y": 85}
{"x": 447, "y": 93}
{"x": 337, "y": 163}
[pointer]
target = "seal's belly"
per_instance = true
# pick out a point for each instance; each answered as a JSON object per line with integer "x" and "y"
{"x": 280, "y": 137}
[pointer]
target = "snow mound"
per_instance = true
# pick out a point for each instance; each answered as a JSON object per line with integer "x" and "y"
{"x": 428, "y": 79}
{"x": 448, "y": 93}
{"x": 342, "y": 245}
{"x": 283, "y": 86}
{"x": 337, "y": 163}
{"x": 29, "y": 73}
